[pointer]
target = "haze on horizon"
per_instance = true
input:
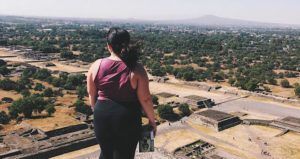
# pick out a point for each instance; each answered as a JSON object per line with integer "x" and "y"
{"x": 274, "y": 11}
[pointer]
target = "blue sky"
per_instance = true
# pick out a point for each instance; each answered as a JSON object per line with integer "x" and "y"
{"x": 279, "y": 11}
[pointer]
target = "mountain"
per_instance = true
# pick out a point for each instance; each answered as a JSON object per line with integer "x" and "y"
{"x": 206, "y": 20}
{"x": 211, "y": 20}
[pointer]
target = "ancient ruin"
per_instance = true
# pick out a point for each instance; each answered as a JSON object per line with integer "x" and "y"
{"x": 29, "y": 142}
{"x": 290, "y": 123}
{"x": 287, "y": 123}
{"x": 196, "y": 149}
{"x": 216, "y": 120}
{"x": 199, "y": 102}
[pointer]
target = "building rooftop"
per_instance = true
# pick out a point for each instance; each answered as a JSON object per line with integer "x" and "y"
{"x": 166, "y": 95}
{"x": 195, "y": 97}
{"x": 215, "y": 115}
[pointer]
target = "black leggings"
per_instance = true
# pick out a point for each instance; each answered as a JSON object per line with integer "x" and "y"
{"x": 117, "y": 128}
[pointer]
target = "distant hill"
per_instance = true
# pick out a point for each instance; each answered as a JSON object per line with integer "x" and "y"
{"x": 211, "y": 20}
{"x": 207, "y": 20}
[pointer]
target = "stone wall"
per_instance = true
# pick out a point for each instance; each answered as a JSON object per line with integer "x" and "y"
{"x": 55, "y": 151}
{"x": 66, "y": 130}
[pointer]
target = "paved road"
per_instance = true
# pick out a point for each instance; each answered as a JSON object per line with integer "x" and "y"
{"x": 258, "y": 107}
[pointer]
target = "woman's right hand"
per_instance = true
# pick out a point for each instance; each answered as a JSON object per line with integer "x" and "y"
{"x": 153, "y": 124}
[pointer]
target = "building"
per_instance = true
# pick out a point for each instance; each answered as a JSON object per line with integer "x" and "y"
{"x": 29, "y": 142}
{"x": 199, "y": 102}
{"x": 197, "y": 149}
{"x": 216, "y": 120}
{"x": 288, "y": 123}
{"x": 168, "y": 98}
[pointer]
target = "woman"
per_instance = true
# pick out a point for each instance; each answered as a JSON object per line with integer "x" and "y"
{"x": 118, "y": 88}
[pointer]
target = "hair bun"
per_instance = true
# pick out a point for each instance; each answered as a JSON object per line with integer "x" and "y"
{"x": 119, "y": 40}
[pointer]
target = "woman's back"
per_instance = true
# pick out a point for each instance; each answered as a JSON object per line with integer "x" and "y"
{"x": 113, "y": 81}
{"x": 121, "y": 94}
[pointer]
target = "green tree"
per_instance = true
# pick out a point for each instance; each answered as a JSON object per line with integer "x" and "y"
{"x": 165, "y": 111}
{"x": 7, "y": 84}
{"x": 74, "y": 80}
{"x": 285, "y": 83}
{"x": 28, "y": 72}
{"x": 25, "y": 93}
{"x": 48, "y": 92}
{"x": 67, "y": 54}
{"x": 272, "y": 81}
{"x": 50, "y": 109}
{"x": 42, "y": 74}
{"x": 251, "y": 85}
{"x": 4, "y": 70}
{"x": 39, "y": 87}
{"x": 81, "y": 91}
{"x": 81, "y": 107}
{"x": 184, "y": 108}
{"x": 25, "y": 81}
{"x": 27, "y": 105}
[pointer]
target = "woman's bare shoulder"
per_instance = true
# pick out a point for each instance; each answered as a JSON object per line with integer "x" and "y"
{"x": 94, "y": 68}
{"x": 94, "y": 65}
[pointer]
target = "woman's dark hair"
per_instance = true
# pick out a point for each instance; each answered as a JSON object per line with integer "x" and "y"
{"x": 119, "y": 40}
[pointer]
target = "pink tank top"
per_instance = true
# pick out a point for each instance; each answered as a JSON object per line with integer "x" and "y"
{"x": 113, "y": 81}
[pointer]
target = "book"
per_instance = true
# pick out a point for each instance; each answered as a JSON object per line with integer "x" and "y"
{"x": 146, "y": 142}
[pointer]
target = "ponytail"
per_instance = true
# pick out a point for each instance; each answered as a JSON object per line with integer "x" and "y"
{"x": 119, "y": 40}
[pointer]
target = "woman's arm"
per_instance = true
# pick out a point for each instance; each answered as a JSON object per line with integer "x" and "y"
{"x": 144, "y": 95}
{"x": 91, "y": 87}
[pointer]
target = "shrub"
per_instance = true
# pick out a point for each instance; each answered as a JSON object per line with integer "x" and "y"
{"x": 154, "y": 99}
{"x": 184, "y": 108}
{"x": 267, "y": 89}
{"x": 4, "y": 118}
{"x": 231, "y": 81}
